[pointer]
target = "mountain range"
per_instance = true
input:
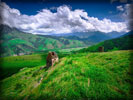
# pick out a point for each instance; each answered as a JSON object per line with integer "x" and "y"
{"x": 15, "y": 42}
{"x": 123, "y": 42}
{"x": 91, "y": 36}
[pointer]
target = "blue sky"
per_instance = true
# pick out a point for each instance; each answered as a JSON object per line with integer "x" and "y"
{"x": 95, "y": 9}
{"x": 65, "y": 17}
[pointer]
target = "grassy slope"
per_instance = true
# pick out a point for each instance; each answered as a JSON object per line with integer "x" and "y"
{"x": 78, "y": 76}
{"x": 12, "y": 64}
{"x": 121, "y": 43}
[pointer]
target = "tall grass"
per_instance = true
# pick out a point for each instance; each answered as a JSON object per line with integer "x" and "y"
{"x": 11, "y": 65}
{"x": 83, "y": 76}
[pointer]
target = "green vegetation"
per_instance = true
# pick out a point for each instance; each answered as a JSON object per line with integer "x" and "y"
{"x": 71, "y": 49}
{"x": 15, "y": 42}
{"x": 12, "y": 64}
{"x": 121, "y": 43}
{"x": 82, "y": 76}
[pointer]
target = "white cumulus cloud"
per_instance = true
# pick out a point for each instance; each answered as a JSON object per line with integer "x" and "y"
{"x": 64, "y": 20}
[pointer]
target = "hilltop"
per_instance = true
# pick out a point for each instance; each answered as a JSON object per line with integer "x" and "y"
{"x": 78, "y": 76}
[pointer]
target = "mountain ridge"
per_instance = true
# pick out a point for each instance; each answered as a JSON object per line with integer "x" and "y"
{"x": 14, "y": 42}
{"x": 123, "y": 42}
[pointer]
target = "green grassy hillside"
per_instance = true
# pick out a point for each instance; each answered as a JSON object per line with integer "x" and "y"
{"x": 82, "y": 76}
{"x": 15, "y": 42}
{"x": 121, "y": 43}
{"x": 12, "y": 64}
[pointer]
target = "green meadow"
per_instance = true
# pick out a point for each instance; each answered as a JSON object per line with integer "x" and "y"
{"x": 12, "y": 64}
{"x": 80, "y": 76}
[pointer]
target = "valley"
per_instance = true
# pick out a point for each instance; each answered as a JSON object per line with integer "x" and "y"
{"x": 81, "y": 73}
{"x": 66, "y": 50}
{"x": 15, "y": 42}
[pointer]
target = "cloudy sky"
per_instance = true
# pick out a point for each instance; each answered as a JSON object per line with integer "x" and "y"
{"x": 65, "y": 17}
